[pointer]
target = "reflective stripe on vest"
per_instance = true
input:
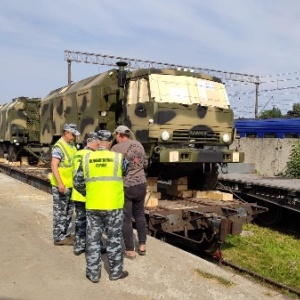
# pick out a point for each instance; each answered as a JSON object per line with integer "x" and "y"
{"x": 65, "y": 167}
{"x": 104, "y": 182}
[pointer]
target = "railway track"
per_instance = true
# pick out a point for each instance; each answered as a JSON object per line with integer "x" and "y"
{"x": 38, "y": 178}
{"x": 261, "y": 278}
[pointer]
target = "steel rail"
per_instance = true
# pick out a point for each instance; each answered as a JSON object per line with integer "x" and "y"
{"x": 260, "y": 277}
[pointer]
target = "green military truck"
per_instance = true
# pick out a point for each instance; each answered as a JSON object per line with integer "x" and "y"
{"x": 183, "y": 119}
{"x": 20, "y": 128}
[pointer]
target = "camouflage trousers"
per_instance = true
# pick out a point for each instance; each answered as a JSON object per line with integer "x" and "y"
{"x": 80, "y": 226}
{"x": 62, "y": 214}
{"x": 98, "y": 222}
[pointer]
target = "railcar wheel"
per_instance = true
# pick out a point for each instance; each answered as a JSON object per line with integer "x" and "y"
{"x": 210, "y": 248}
{"x": 271, "y": 217}
{"x": 12, "y": 153}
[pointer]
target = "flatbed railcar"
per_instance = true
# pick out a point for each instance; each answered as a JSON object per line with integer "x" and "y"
{"x": 200, "y": 223}
{"x": 280, "y": 195}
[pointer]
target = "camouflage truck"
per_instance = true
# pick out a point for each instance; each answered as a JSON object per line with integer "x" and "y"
{"x": 20, "y": 128}
{"x": 183, "y": 119}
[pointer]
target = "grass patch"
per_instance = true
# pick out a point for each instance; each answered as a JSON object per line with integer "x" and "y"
{"x": 219, "y": 279}
{"x": 266, "y": 252}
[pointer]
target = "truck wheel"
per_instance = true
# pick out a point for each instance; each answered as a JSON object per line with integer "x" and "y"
{"x": 12, "y": 153}
{"x": 1, "y": 150}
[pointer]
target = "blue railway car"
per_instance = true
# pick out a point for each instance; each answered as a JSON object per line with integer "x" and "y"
{"x": 268, "y": 128}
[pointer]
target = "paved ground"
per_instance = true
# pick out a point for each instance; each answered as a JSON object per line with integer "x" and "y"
{"x": 31, "y": 267}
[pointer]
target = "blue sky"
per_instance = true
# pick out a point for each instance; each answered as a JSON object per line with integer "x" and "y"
{"x": 253, "y": 37}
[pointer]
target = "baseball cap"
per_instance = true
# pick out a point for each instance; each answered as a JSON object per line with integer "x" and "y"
{"x": 72, "y": 128}
{"x": 122, "y": 129}
{"x": 104, "y": 135}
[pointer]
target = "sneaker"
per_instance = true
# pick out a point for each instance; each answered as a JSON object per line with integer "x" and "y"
{"x": 92, "y": 280}
{"x": 123, "y": 275}
{"x": 65, "y": 242}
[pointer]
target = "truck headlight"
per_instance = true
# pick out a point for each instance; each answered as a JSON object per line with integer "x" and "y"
{"x": 165, "y": 135}
{"x": 226, "y": 138}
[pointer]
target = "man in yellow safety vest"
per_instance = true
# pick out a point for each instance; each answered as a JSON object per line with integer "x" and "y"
{"x": 92, "y": 144}
{"x": 62, "y": 156}
{"x": 99, "y": 179}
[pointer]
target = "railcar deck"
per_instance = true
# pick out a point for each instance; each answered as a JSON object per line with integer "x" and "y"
{"x": 273, "y": 192}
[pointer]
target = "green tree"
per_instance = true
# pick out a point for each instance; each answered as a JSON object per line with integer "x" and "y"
{"x": 293, "y": 164}
{"x": 272, "y": 113}
{"x": 295, "y": 112}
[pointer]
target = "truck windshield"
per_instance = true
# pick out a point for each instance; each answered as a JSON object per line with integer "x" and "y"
{"x": 178, "y": 89}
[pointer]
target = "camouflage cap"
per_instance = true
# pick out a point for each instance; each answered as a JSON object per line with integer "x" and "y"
{"x": 122, "y": 129}
{"x": 92, "y": 136}
{"x": 72, "y": 128}
{"x": 104, "y": 135}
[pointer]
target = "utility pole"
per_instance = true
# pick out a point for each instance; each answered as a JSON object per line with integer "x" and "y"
{"x": 256, "y": 100}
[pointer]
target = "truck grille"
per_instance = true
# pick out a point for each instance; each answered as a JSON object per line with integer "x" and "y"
{"x": 197, "y": 135}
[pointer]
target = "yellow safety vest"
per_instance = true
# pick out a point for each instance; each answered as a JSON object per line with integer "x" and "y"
{"x": 76, "y": 196}
{"x": 103, "y": 178}
{"x": 65, "y": 168}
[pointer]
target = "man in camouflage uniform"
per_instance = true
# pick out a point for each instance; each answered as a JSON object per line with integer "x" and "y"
{"x": 63, "y": 153}
{"x": 99, "y": 179}
{"x": 92, "y": 144}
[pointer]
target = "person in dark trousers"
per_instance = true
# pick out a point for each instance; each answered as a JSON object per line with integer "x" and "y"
{"x": 135, "y": 190}
{"x": 100, "y": 179}
{"x": 62, "y": 156}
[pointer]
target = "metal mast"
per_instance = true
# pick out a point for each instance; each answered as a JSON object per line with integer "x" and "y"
{"x": 110, "y": 60}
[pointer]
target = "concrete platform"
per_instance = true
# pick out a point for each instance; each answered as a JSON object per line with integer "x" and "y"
{"x": 31, "y": 267}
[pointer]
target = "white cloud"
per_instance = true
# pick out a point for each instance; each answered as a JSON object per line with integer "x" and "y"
{"x": 249, "y": 36}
